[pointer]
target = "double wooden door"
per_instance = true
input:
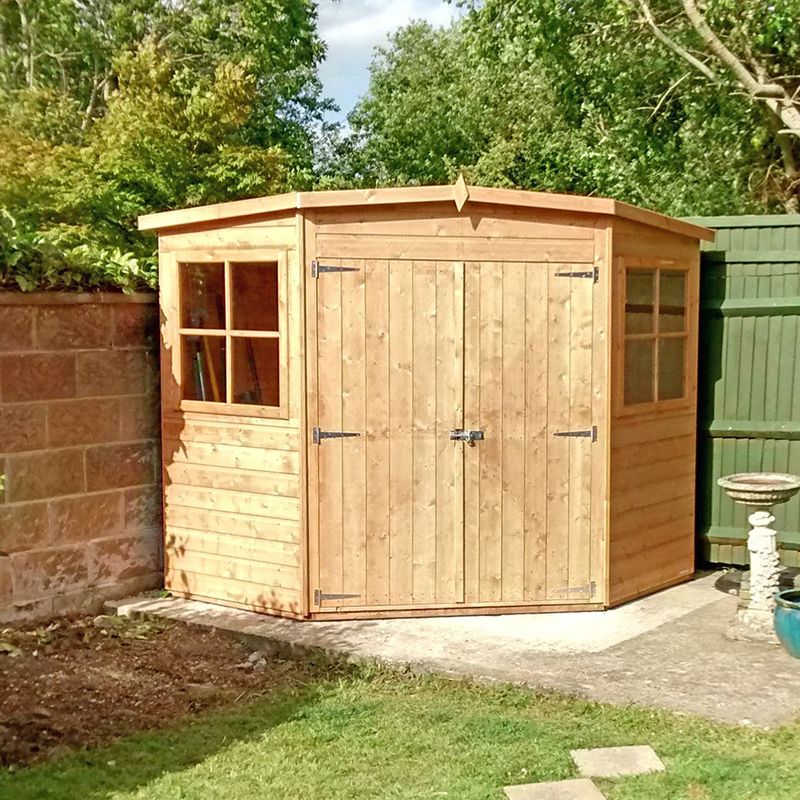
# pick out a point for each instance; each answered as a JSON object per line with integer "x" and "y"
{"x": 404, "y": 516}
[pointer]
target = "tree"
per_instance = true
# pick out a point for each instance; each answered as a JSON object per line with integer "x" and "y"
{"x": 750, "y": 48}
{"x": 114, "y": 108}
{"x": 562, "y": 96}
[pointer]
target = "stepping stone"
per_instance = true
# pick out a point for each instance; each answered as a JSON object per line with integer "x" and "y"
{"x": 580, "y": 789}
{"x": 617, "y": 762}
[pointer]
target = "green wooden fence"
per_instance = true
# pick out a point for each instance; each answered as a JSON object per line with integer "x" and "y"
{"x": 749, "y": 411}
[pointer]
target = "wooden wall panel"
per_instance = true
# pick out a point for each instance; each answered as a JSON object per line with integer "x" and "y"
{"x": 232, "y": 518}
{"x": 652, "y": 537}
{"x": 277, "y": 230}
{"x": 234, "y": 484}
{"x": 653, "y": 452}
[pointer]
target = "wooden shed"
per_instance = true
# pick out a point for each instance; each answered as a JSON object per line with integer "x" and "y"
{"x": 434, "y": 400}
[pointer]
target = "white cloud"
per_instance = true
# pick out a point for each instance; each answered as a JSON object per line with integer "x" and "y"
{"x": 353, "y": 28}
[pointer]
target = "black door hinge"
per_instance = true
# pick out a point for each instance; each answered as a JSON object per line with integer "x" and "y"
{"x": 318, "y": 435}
{"x": 320, "y": 597}
{"x": 590, "y": 589}
{"x": 594, "y": 274}
{"x": 589, "y": 433}
{"x": 317, "y": 269}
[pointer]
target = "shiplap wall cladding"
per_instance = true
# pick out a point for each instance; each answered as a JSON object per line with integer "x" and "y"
{"x": 750, "y": 375}
{"x": 321, "y": 349}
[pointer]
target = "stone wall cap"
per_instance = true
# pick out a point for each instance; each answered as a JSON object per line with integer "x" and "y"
{"x": 11, "y": 298}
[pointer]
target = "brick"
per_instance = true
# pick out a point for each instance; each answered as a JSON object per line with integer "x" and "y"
{"x": 140, "y": 417}
{"x": 112, "y": 466}
{"x": 123, "y": 557}
{"x": 37, "y": 376}
{"x": 34, "y": 476}
{"x": 135, "y": 325}
{"x": 23, "y": 526}
{"x": 112, "y": 372}
{"x": 23, "y": 427}
{"x": 143, "y": 508}
{"x": 16, "y": 328}
{"x": 6, "y": 581}
{"x": 79, "y": 326}
{"x": 85, "y": 421}
{"x": 79, "y": 519}
{"x": 43, "y": 573}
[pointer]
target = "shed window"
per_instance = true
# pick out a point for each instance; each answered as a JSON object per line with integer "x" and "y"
{"x": 655, "y": 335}
{"x": 230, "y": 334}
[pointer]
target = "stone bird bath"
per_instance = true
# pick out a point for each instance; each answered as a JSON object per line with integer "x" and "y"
{"x": 761, "y": 491}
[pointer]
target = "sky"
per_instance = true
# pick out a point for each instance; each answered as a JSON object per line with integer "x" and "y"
{"x": 353, "y": 28}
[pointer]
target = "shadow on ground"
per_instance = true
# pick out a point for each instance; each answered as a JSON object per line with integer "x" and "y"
{"x": 139, "y": 759}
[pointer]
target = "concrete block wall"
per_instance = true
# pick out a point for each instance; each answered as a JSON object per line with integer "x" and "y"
{"x": 80, "y": 501}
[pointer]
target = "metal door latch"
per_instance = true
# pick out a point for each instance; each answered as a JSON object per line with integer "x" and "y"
{"x": 470, "y": 437}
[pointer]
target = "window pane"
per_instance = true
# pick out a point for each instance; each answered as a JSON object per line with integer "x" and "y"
{"x": 203, "y": 364}
{"x": 202, "y": 294}
{"x": 639, "y": 294}
{"x": 639, "y": 363}
{"x": 670, "y": 368}
{"x": 256, "y": 372}
{"x": 254, "y": 296}
{"x": 671, "y": 301}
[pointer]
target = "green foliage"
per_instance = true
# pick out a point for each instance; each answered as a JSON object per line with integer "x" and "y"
{"x": 577, "y": 97}
{"x": 31, "y": 261}
{"x": 109, "y": 110}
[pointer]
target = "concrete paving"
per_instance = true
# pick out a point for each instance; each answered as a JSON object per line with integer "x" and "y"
{"x": 666, "y": 651}
{"x": 617, "y": 762}
{"x": 580, "y": 789}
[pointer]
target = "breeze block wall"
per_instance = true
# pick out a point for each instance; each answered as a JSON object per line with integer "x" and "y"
{"x": 80, "y": 499}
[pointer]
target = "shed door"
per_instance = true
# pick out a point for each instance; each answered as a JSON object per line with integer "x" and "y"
{"x": 528, "y": 381}
{"x": 387, "y": 520}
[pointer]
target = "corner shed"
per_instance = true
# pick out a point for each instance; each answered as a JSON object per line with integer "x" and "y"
{"x": 445, "y": 399}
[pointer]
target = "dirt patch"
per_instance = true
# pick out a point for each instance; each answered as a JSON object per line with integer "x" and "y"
{"x": 83, "y": 682}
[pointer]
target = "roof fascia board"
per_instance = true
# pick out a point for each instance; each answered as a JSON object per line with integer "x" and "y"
{"x": 420, "y": 194}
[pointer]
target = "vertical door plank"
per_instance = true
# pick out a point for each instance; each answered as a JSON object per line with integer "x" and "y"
{"x": 537, "y": 347}
{"x": 353, "y": 419}
{"x": 401, "y": 422}
{"x": 376, "y": 435}
{"x": 424, "y": 437}
{"x": 310, "y": 402}
{"x": 513, "y": 425}
{"x": 491, "y": 402}
{"x": 329, "y": 482}
{"x": 558, "y": 449}
{"x": 449, "y": 414}
{"x": 601, "y": 404}
{"x": 472, "y": 420}
{"x": 580, "y": 418}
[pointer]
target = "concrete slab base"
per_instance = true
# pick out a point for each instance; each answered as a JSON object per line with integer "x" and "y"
{"x": 617, "y": 762}
{"x": 579, "y": 789}
{"x": 666, "y": 651}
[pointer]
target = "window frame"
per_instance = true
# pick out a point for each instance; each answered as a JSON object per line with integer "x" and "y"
{"x": 227, "y": 257}
{"x": 689, "y": 334}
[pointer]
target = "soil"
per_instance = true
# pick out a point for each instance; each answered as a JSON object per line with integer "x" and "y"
{"x": 83, "y": 682}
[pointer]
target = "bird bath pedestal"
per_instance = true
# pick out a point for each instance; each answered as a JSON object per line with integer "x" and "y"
{"x": 761, "y": 491}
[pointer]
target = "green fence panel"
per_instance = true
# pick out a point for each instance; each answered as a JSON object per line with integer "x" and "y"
{"x": 749, "y": 403}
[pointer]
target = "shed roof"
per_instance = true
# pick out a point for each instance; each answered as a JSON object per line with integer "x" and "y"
{"x": 459, "y": 193}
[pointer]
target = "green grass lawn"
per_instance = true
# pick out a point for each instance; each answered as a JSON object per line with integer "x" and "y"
{"x": 369, "y": 734}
